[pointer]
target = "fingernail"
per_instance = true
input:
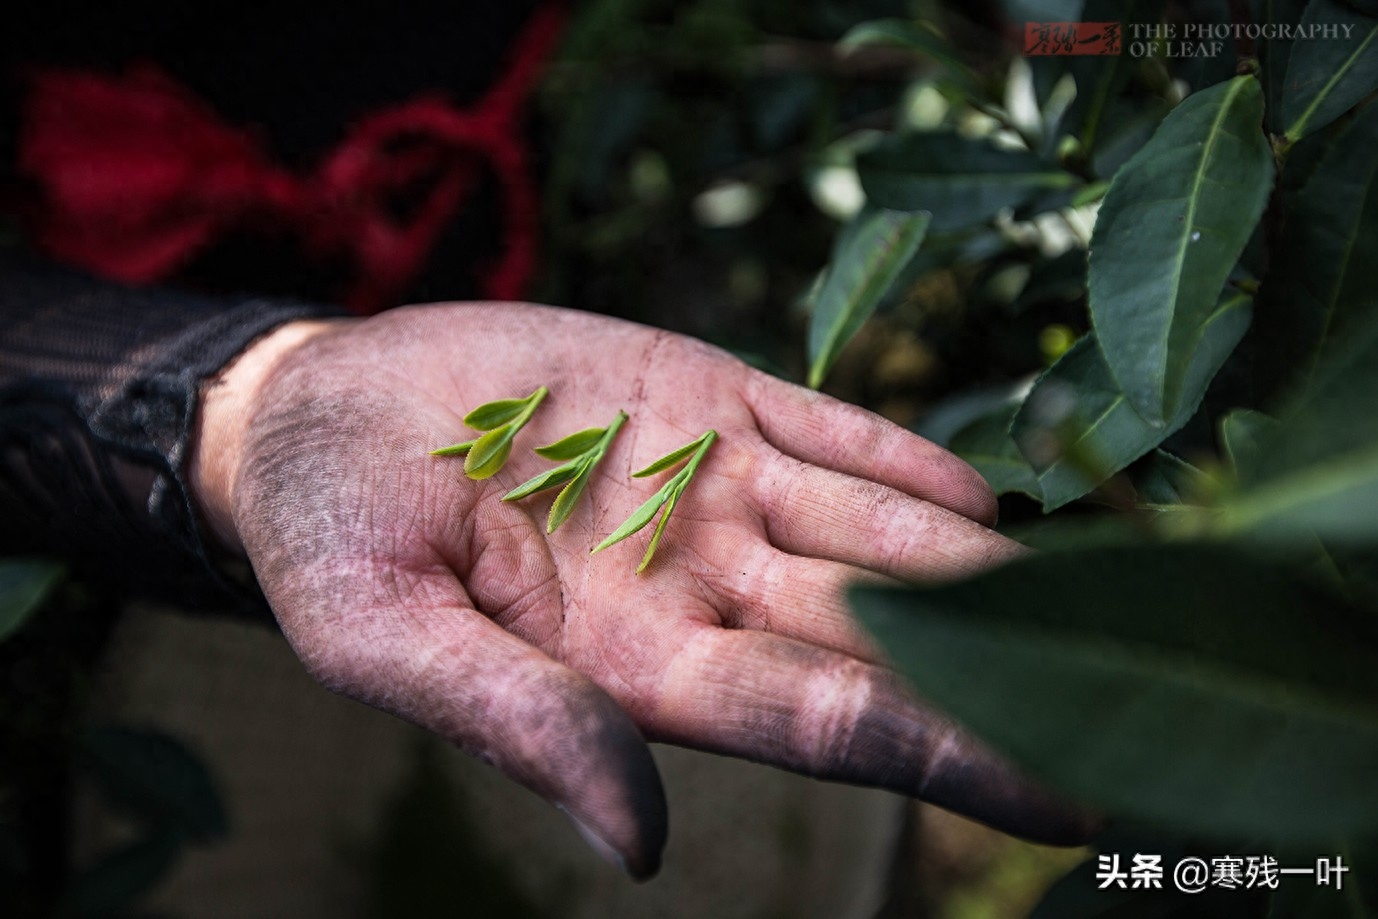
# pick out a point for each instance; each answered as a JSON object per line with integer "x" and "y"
{"x": 596, "y": 842}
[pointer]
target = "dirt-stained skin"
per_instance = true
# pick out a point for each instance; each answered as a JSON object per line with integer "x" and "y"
{"x": 403, "y": 584}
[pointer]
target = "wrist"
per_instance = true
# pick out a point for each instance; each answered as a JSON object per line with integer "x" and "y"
{"x": 227, "y": 407}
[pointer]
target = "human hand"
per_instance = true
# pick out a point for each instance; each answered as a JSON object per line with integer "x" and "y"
{"x": 405, "y": 585}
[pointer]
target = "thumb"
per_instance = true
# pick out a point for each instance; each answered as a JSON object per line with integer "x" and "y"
{"x": 440, "y": 664}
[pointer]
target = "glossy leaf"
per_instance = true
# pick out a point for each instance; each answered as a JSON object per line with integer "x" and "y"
{"x": 501, "y": 420}
{"x": 1100, "y": 79}
{"x": 492, "y": 414}
{"x": 1174, "y": 222}
{"x": 659, "y": 530}
{"x": 490, "y": 452}
{"x": 1327, "y": 76}
{"x": 576, "y": 444}
{"x": 868, "y": 257}
{"x": 670, "y": 459}
{"x": 987, "y": 445}
{"x": 1316, "y": 470}
{"x": 551, "y": 478}
{"x": 24, "y": 584}
{"x": 1274, "y": 49}
{"x": 668, "y": 496}
{"x": 639, "y": 518}
{"x": 1324, "y": 263}
{"x": 564, "y": 502}
{"x": 1077, "y": 427}
{"x": 946, "y": 419}
{"x": 585, "y": 450}
{"x": 1189, "y": 684}
{"x": 960, "y": 181}
{"x": 1125, "y": 134}
{"x": 459, "y": 449}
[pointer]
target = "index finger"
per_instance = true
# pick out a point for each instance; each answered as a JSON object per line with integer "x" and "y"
{"x": 845, "y": 438}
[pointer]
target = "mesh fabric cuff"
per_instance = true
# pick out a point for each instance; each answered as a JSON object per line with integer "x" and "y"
{"x": 99, "y": 386}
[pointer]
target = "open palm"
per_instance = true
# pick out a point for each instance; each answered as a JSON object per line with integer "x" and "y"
{"x": 403, "y": 584}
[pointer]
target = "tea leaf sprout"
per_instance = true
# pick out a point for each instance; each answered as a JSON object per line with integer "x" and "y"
{"x": 583, "y": 451}
{"x": 667, "y": 497}
{"x": 501, "y": 420}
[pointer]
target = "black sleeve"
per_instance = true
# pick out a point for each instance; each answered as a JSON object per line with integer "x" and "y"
{"x": 98, "y": 394}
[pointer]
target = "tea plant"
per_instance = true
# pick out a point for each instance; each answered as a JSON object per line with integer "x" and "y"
{"x": 1197, "y": 650}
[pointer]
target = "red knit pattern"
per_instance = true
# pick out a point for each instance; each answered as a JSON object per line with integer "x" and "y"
{"x": 136, "y": 176}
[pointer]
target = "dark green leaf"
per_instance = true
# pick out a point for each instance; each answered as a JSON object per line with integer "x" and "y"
{"x": 1060, "y": 278}
{"x": 1174, "y": 222}
{"x": 576, "y": 444}
{"x": 1239, "y": 432}
{"x": 1326, "y": 76}
{"x": 1273, "y": 51}
{"x": 551, "y": 478}
{"x": 986, "y": 444}
{"x": 1019, "y": 12}
{"x": 120, "y": 878}
{"x": 1167, "y": 480}
{"x": 490, "y": 452}
{"x": 1188, "y": 685}
{"x": 946, "y": 419}
{"x": 24, "y": 584}
{"x": 960, "y": 181}
{"x": 1060, "y": 533}
{"x": 492, "y": 414}
{"x": 914, "y": 36}
{"x": 1316, "y": 470}
{"x": 156, "y": 778}
{"x": 1325, "y": 263}
{"x": 869, "y": 255}
{"x": 1124, "y": 134}
{"x": 1077, "y": 428}
{"x": 1101, "y": 79}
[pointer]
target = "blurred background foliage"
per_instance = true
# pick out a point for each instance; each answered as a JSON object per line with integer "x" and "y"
{"x": 887, "y": 198}
{"x": 1136, "y": 291}
{"x": 701, "y": 157}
